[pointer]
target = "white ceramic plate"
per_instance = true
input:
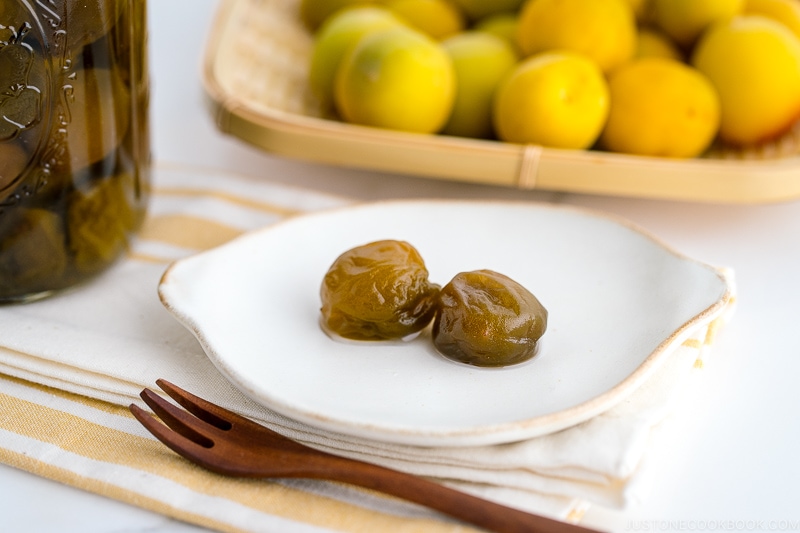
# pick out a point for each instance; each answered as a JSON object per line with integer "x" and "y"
{"x": 617, "y": 301}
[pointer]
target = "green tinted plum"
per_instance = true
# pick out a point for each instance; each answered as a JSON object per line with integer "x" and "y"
{"x": 378, "y": 291}
{"x": 487, "y": 319}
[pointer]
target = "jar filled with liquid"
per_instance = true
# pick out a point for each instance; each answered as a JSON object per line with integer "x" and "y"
{"x": 74, "y": 144}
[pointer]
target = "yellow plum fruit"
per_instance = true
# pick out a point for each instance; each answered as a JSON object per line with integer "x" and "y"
{"x": 479, "y": 9}
{"x": 398, "y": 78}
{"x": 437, "y": 18}
{"x": 685, "y": 20}
{"x": 660, "y": 107}
{"x": 787, "y": 12}
{"x": 556, "y": 99}
{"x": 481, "y": 61}
{"x": 603, "y": 30}
{"x": 754, "y": 63}
{"x": 653, "y": 43}
{"x": 314, "y": 12}
{"x": 336, "y": 36}
{"x": 502, "y": 25}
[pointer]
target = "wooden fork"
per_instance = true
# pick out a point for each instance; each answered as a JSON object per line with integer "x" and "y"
{"x": 229, "y": 444}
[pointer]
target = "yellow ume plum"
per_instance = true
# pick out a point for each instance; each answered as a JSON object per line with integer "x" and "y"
{"x": 398, "y": 79}
{"x": 754, "y": 63}
{"x": 503, "y": 25}
{"x": 479, "y": 9}
{"x": 437, "y": 18}
{"x": 336, "y": 36}
{"x": 653, "y": 43}
{"x": 556, "y": 99}
{"x": 787, "y": 12}
{"x": 589, "y": 74}
{"x": 685, "y": 20}
{"x": 481, "y": 61}
{"x": 660, "y": 107}
{"x": 314, "y": 12}
{"x": 603, "y": 30}
{"x": 640, "y": 8}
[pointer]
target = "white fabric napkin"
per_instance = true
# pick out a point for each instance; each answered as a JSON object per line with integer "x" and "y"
{"x": 111, "y": 338}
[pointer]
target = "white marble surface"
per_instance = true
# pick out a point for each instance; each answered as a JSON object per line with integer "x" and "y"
{"x": 734, "y": 463}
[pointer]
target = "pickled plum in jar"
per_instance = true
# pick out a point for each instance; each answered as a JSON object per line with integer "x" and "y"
{"x": 74, "y": 140}
{"x": 487, "y": 319}
{"x": 377, "y": 291}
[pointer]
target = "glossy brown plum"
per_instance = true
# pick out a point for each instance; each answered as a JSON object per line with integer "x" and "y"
{"x": 378, "y": 291}
{"x": 487, "y": 319}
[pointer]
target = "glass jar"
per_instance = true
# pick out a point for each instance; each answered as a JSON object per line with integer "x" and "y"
{"x": 74, "y": 142}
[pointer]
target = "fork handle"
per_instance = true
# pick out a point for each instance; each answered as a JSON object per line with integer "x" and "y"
{"x": 457, "y": 504}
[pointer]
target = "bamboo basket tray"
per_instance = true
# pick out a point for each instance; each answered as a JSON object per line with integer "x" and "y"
{"x": 254, "y": 75}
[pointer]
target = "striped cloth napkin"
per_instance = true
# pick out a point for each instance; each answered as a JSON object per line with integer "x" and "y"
{"x": 71, "y": 364}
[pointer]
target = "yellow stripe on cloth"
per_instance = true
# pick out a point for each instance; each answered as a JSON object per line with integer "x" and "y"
{"x": 104, "y": 444}
{"x": 187, "y": 231}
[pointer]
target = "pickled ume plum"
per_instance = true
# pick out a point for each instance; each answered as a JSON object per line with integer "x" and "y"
{"x": 378, "y": 291}
{"x": 487, "y": 319}
{"x": 381, "y": 291}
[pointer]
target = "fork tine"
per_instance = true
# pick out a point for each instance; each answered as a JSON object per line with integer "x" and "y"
{"x": 179, "y": 420}
{"x": 225, "y": 420}
{"x": 202, "y": 409}
{"x": 178, "y": 443}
